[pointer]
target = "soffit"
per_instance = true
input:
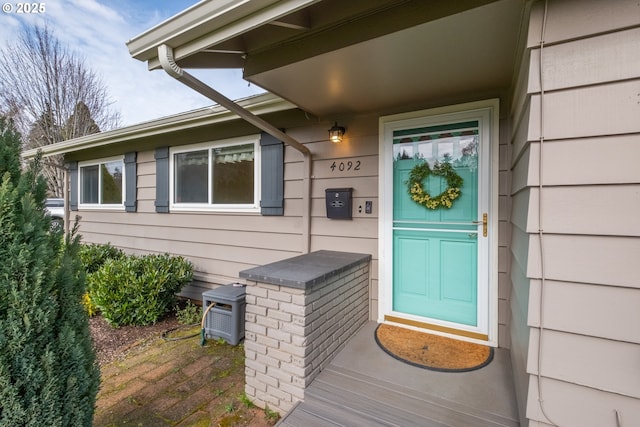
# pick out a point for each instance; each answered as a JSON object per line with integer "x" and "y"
{"x": 332, "y": 56}
{"x": 466, "y": 54}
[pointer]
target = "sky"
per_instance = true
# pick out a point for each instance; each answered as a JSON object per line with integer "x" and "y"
{"x": 96, "y": 30}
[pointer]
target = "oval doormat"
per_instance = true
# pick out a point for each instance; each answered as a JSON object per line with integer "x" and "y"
{"x": 432, "y": 351}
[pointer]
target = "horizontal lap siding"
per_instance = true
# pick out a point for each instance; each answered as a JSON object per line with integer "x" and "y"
{"x": 360, "y": 234}
{"x": 504, "y": 231}
{"x": 220, "y": 245}
{"x": 567, "y": 356}
{"x": 599, "y": 260}
{"x": 603, "y": 210}
{"x": 583, "y": 406}
{"x": 519, "y": 239}
{"x": 519, "y": 302}
{"x": 590, "y": 202}
{"x": 604, "y": 311}
{"x": 599, "y": 160}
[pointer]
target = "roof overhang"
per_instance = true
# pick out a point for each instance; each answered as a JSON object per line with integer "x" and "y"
{"x": 214, "y": 115}
{"x": 209, "y": 30}
{"x": 333, "y": 57}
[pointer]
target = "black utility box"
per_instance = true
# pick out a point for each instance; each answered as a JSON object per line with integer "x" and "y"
{"x": 339, "y": 202}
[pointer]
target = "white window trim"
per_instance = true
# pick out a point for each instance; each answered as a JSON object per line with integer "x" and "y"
{"x": 209, "y": 207}
{"x": 112, "y": 207}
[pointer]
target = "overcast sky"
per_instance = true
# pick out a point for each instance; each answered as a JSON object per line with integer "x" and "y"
{"x": 96, "y": 30}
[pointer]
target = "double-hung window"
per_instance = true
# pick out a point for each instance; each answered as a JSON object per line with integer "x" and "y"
{"x": 102, "y": 183}
{"x": 221, "y": 175}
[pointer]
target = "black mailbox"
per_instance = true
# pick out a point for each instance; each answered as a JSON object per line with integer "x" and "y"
{"x": 339, "y": 202}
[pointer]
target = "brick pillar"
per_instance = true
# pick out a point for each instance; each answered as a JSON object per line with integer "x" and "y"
{"x": 292, "y": 333}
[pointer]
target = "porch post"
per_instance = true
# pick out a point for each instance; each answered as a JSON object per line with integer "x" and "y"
{"x": 299, "y": 313}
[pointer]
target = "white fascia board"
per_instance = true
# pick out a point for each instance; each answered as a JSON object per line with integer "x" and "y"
{"x": 197, "y": 29}
{"x": 259, "y": 104}
{"x": 144, "y": 46}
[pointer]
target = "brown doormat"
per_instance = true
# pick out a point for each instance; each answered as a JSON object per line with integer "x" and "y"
{"x": 432, "y": 351}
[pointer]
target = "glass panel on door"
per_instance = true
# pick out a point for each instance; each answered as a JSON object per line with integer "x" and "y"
{"x": 435, "y": 250}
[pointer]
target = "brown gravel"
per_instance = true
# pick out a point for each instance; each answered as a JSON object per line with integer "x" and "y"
{"x": 113, "y": 343}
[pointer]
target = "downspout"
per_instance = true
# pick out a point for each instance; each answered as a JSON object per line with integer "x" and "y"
{"x": 165, "y": 56}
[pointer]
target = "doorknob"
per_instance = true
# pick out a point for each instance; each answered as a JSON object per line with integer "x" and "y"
{"x": 484, "y": 222}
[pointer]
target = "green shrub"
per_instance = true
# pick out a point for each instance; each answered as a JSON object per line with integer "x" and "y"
{"x": 189, "y": 314}
{"x": 94, "y": 255}
{"x": 139, "y": 290}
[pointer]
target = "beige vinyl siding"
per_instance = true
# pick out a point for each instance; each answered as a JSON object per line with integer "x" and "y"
{"x": 571, "y": 20}
{"x": 146, "y": 182}
{"x": 596, "y": 315}
{"x": 359, "y": 235}
{"x": 590, "y": 200}
{"x": 222, "y": 244}
{"x": 597, "y": 165}
{"x": 611, "y": 109}
{"x": 504, "y": 232}
{"x": 519, "y": 310}
{"x": 589, "y": 209}
{"x": 585, "y": 62}
{"x": 519, "y": 239}
{"x": 611, "y": 260}
{"x": 583, "y": 406}
{"x": 567, "y": 356}
{"x": 219, "y": 245}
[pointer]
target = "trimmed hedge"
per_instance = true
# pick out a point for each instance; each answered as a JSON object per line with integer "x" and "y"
{"x": 94, "y": 255}
{"x": 139, "y": 290}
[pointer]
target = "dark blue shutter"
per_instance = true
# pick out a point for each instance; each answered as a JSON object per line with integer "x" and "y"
{"x": 73, "y": 184}
{"x": 162, "y": 179}
{"x": 272, "y": 175}
{"x": 131, "y": 179}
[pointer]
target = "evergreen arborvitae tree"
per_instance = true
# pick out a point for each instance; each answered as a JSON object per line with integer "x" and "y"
{"x": 48, "y": 370}
{"x": 80, "y": 123}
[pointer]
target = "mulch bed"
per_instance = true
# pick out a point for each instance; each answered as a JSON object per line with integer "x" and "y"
{"x": 113, "y": 343}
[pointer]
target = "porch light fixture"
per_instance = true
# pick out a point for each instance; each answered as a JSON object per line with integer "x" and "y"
{"x": 336, "y": 133}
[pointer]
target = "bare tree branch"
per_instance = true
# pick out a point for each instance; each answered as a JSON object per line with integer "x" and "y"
{"x": 51, "y": 95}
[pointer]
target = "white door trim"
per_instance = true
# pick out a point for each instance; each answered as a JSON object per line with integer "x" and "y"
{"x": 486, "y": 111}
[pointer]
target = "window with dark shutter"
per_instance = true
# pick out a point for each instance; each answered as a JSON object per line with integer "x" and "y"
{"x": 217, "y": 176}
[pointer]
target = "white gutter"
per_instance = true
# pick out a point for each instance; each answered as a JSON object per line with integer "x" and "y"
{"x": 258, "y": 104}
{"x": 209, "y": 23}
{"x": 165, "y": 55}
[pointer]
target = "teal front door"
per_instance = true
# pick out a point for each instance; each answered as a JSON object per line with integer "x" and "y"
{"x": 438, "y": 227}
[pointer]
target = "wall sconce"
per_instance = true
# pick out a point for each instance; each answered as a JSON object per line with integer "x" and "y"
{"x": 336, "y": 133}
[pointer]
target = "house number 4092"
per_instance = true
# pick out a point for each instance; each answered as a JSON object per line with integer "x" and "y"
{"x": 345, "y": 166}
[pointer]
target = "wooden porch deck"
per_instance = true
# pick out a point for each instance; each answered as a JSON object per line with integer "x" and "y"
{"x": 363, "y": 386}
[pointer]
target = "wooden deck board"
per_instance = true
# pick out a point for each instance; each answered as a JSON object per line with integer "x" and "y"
{"x": 391, "y": 405}
{"x": 302, "y": 415}
{"x": 336, "y": 379}
{"x": 380, "y": 413}
{"x": 363, "y": 386}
